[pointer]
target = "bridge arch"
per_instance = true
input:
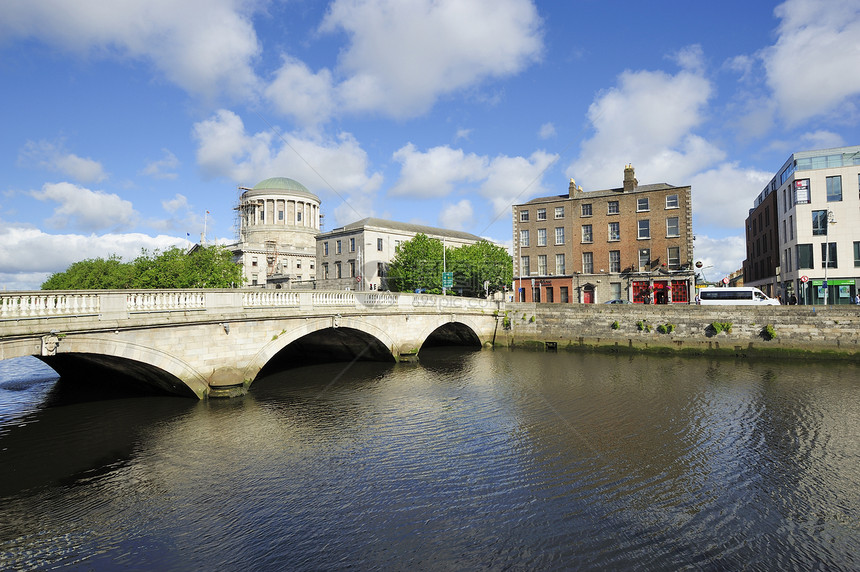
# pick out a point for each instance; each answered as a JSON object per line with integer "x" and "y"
{"x": 151, "y": 366}
{"x": 348, "y": 338}
{"x": 452, "y": 332}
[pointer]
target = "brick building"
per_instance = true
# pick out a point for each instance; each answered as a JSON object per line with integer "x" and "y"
{"x": 632, "y": 243}
{"x": 763, "y": 252}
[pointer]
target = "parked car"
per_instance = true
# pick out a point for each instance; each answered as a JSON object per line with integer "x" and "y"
{"x": 617, "y": 301}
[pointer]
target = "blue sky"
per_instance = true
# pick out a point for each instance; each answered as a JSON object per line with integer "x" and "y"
{"x": 124, "y": 122}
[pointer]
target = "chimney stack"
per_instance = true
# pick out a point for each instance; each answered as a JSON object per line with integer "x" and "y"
{"x": 630, "y": 182}
{"x": 571, "y": 190}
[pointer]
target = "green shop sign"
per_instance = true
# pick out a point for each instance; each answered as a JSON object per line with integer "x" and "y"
{"x": 841, "y": 282}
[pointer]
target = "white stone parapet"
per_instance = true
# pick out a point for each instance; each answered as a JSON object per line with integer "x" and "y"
{"x": 23, "y": 305}
{"x": 120, "y": 304}
{"x": 165, "y": 301}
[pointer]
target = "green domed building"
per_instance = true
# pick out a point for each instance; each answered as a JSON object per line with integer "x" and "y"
{"x": 279, "y": 219}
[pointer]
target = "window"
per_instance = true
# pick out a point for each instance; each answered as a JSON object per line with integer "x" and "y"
{"x": 784, "y": 231}
{"x": 338, "y": 271}
{"x": 298, "y": 263}
{"x": 644, "y": 229}
{"x": 616, "y": 290}
{"x": 644, "y": 259}
{"x": 524, "y": 264}
{"x": 834, "y": 189}
{"x": 325, "y": 249}
{"x": 299, "y": 216}
{"x": 819, "y": 223}
{"x": 379, "y": 244}
{"x": 673, "y": 255}
{"x": 352, "y": 269}
{"x": 254, "y": 261}
{"x": 280, "y": 215}
{"x": 672, "y": 226}
{"x": 541, "y": 214}
{"x": 804, "y": 256}
{"x": 586, "y": 209}
{"x": 857, "y": 254}
{"x": 559, "y": 212}
{"x": 828, "y": 255}
{"x": 613, "y": 207}
{"x": 524, "y": 238}
{"x": 642, "y": 205}
{"x": 352, "y": 245}
{"x": 559, "y": 235}
{"x": 541, "y": 237}
{"x": 588, "y": 262}
{"x": 524, "y": 216}
{"x": 542, "y": 264}
{"x": 586, "y": 233}
{"x": 615, "y": 261}
{"x": 337, "y": 249}
{"x": 325, "y": 270}
{"x": 380, "y": 269}
{"x": 615, "y": 231}
{"x": 562, "y": 291}
{"x": 801, "y": 192}
{"x": 559, "y": 263}
{"x": 791, "y": 226}
{"x": 671, "y": 201}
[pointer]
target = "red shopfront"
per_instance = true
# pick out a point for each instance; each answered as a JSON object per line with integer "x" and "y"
{"x": 661, "y": 292}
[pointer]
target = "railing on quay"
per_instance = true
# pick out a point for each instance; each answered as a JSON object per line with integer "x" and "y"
{"x": 120, "y": 304}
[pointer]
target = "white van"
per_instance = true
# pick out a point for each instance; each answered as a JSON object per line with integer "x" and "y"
{"x": 746, "y": 295}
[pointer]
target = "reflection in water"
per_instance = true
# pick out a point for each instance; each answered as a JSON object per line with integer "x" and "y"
{"x": 467, "y": 460}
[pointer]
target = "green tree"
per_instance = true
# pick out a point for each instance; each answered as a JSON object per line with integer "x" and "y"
{"x": 208, "y": 267}
{"x": 477, "y": 263}
{"x": 92, "y": 274}
{"x": 417, "y": 265}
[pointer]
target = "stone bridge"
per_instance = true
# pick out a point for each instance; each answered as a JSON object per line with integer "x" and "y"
{"x": 212, "y": 343}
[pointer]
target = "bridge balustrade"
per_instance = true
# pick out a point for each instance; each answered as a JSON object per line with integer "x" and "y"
{"x": 165, "y": 301}
{"x": 30, "y": 305}
{"x": 270, "y": 299}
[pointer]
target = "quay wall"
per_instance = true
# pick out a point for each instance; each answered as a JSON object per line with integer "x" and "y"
{"x": 814, "y": 331}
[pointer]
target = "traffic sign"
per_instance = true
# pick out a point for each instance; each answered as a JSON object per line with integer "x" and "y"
{"x": 447, "y": 279}
{"x": 726, "y": 280}
{"x": 804, "y": 278}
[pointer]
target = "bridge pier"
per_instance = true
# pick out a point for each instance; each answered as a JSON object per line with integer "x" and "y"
{"x": 228, "y": 382}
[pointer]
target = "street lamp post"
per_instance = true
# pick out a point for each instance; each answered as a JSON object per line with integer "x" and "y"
{"x": 830, "y": 220}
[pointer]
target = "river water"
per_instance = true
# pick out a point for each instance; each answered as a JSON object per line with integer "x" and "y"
{"x": 469, "y": 460}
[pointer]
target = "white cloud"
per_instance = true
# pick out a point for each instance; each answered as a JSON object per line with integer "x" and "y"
{"x": 457, "y": 216}
{"x": 28, "y": 255}
{"x": 723, "y": 196}
{"x": 462, "y": 134}
{"x": 164, "y": 167}
{"x": 84, "y": 209}
{"x": 53, "y": 157}
{"x": 302, "y": 94}
{"x": 546, "y": 131}
{"x": 324, "y": 166}
{"x": 204, "y": 46}
{"x": 808, "y": 68}
{"x": 403, "y": 56}
{"x": 719, "y": 256}
{"x": 435, "y": 172}
{"x": 514, "y": 180}
{"x": 690, "y": 58}
{"x": 822, "y": 139}
{"x": 178, "y": 202}
{"x": 648, "y": 121}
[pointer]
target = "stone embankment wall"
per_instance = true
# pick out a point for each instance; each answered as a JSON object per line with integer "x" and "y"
{"x": 832, "y": 331}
